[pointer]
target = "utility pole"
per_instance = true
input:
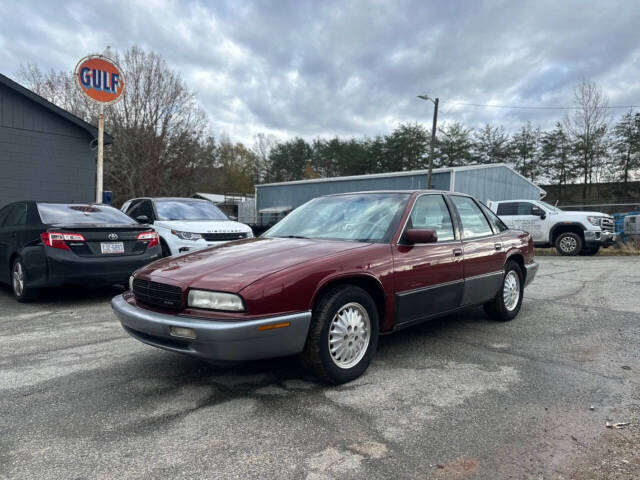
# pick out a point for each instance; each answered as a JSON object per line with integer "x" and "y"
{"x": 433, "y": 135}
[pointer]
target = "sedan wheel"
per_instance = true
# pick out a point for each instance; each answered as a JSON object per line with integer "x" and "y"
{"x": 507, "y": 302}
{"x": 349, "y": 335}
{"x": 511, "y": 290}
{"x": 21, "y": 291}
{"x": 343, "y": 335}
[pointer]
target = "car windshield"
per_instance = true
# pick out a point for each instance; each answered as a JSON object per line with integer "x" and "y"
{"x": 371, "y": 217}
{"x": 186, "y": 210}
{"x": 70, "y": 214}
{"x": 550, "y": 207}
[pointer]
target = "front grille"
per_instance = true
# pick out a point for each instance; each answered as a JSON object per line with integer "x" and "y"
{"x": 224, "y": 237}
{"x": 607, "y": 225}
{"x": 158, "y": 294}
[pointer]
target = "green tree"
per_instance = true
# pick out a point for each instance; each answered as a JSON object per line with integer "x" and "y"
{"x": 626, "y": 146}
{"x": 407, "y": 148}
{"x": 557, "y": 162}
{"x": 525, "y": 151}
{"x": 288, "y": 160}
{"x": 454, "y": 145}
{"x": 490, "y": 145}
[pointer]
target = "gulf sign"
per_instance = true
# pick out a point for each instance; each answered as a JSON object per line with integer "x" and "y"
{"x": 100, "y": 79}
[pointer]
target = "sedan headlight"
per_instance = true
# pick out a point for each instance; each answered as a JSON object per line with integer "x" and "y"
{"x": 594, "y": 221}
{"x": 186, "y": 235}
{"x": 215, "y": 300}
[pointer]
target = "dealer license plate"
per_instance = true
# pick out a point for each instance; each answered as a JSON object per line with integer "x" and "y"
{"x": 115, "y": 247}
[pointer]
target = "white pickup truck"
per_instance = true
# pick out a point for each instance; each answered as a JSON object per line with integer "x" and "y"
{"x": 572, "y": 233}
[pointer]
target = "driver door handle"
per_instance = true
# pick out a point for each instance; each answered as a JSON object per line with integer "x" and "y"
{"x": 457, "y": 252}
{"x": 497, "y": 246}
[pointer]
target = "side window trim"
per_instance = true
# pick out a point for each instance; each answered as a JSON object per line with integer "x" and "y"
{"x": 486, "y": 211}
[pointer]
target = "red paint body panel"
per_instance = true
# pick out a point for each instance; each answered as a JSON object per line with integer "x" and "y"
{"x": 283, "y": 275}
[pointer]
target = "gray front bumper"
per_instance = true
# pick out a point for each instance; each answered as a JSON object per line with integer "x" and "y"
{"x": 532, "y": 269}
{"x": 593, "y": 239}
{"x": 223, "y": 341}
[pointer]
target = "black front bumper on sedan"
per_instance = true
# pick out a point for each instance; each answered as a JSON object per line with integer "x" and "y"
{"x": 51, "y": 267}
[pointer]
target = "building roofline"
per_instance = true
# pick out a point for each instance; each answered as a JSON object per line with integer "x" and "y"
{"x": 401, "y": 174}
{"x": 43, "y": 102}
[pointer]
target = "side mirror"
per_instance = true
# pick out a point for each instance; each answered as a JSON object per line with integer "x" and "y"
{"x": 539, "y": 212}
{"x": 142, "y": 219}
{"x": 419, "y": 235}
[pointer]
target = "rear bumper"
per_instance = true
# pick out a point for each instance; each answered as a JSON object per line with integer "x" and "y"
{"x": 531, "y": 270}
{"x": 221, "y": 341}
{"x": 64, "y": 267}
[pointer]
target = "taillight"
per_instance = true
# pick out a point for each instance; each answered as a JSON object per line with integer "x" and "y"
{"x": 151, "y": 237}
{"x": 58, "y": 240}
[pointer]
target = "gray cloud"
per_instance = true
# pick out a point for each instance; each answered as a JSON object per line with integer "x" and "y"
{"x": 349, "y": 68}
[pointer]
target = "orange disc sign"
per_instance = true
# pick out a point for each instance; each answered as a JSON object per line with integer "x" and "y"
{"x": 100, "y": 79}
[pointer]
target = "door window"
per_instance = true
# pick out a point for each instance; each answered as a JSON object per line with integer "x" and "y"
{"x": 525, "y": 208}
{"x": 430, "y": 212}
{"x": 474, "y": 224}
{"x": 17, "y": 215}
{"x": 497, "y": 224}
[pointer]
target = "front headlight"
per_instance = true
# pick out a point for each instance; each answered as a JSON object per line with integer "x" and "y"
{"x": 594, "y": 221}
{"x": 215, "y": 300}
{"x": 186, "y": 235}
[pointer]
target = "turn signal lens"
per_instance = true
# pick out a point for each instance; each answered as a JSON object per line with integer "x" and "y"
{"x": 182, "y": 332}
{"x": 151, "y": 237}
{"x": 59, "y": 240}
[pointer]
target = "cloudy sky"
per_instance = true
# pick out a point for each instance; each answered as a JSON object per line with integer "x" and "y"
{"x": 348, "y": 68}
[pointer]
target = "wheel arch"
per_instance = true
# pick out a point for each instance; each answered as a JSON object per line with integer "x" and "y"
{"x": 560, "y": 228}
{"x": 367, "y": 282}
{"x": 516, "y": 256}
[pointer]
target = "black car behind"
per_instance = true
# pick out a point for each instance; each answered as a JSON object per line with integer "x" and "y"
{"x": 52, "y": 244}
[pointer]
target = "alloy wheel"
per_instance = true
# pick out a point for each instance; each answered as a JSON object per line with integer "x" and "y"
{"x": 511, "y": 290}
{"x": 349, "y": 335}
{"x": 18, "y": 279}
{"x": 568, "y": 244}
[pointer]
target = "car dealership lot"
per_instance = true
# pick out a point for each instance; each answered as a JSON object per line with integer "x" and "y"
{"x": 460, "y": 397}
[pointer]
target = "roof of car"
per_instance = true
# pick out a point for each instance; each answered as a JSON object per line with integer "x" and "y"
{"x": 401, "y": 191}
{"x": 164, "y": 199}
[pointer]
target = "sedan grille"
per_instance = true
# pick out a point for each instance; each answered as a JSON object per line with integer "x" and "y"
{"x": 158, "y": 294}
{"x": 224, "y": 237}
{"x": 607, "y": 225}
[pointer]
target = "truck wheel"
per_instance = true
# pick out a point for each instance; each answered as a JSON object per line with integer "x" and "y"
{"x": 589, "y": 251}
{"x": 343, "y": 335}
{"x": 506, "y": 304}
{"x": 569, "y": 244}
{"x": 21, "y": 292}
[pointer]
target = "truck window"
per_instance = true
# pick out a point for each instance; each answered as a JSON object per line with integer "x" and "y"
{"x": 509, "y": 208}
{"x": 525, "y": 208}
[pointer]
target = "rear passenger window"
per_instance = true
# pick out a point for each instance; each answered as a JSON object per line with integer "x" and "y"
{"x": 431, "y": 213}
{"x": 508, "y": 208}
{"x": 474, "y": 224}
{"x": 17, "y": 215}
{"x": 495, "y": 222}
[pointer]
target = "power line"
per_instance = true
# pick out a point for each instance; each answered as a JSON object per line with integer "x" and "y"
{"x": 533, "y": 107}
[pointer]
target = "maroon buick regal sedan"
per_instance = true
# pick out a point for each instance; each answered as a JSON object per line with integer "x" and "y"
{"x": 330, "y": 278}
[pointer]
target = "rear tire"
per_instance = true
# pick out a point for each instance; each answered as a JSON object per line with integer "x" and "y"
{"x": 343, "y": 335}
{"x": 21, "y": 291}
{"x": 569, "y": 244}
{"x": 166, "y": 252}
{"x": 507, "y": 302}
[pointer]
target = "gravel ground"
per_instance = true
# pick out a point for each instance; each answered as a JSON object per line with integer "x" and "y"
{"x": 461, "y": 397}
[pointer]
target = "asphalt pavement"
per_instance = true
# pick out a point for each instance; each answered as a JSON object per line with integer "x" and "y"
{"x": 460, "y": 397}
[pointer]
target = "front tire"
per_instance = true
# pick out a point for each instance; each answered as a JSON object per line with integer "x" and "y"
{"x": 21, "y": 291}
{"x": 343, "y": 335}
{"x": 569, "y": 244}
{"x": 506, "y": 304}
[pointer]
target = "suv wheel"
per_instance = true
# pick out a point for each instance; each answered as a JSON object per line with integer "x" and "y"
{"x": 569, "y": 244}
{"x": 506, "y": 304}
{"x": 21, "y": 292}
{"x": 343, "y": 335}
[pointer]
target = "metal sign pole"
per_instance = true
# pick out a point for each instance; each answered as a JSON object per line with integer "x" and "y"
{"x": 100, "y": 155}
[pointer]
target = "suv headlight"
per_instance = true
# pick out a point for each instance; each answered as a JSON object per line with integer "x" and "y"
{"x": 594, "y": 221}
{"x": 186, "y": 235}
{"x": 215, "y": 300}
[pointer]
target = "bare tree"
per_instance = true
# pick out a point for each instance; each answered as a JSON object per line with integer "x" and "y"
{"x": 587, "y": 128}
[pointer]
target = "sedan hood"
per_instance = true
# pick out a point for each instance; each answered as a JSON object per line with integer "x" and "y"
{"x": 233, "y": 266}
{"x": 203, "y": 226}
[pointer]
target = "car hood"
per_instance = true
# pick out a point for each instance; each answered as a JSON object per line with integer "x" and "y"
{"x": 233, "y": 266}
{"x": 203, "y": 226}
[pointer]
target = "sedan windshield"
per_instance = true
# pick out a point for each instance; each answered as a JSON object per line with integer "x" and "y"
{"x": 186, "y": 210}
{"x": 370, "y": 217}
{"x": 58, "y": 213}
